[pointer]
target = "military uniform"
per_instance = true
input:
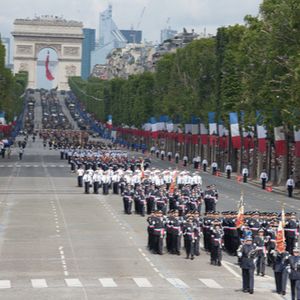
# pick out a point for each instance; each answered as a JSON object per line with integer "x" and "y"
{"x": 247, "y": 254}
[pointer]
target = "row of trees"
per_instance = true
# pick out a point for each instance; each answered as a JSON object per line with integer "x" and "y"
{"x": 248, "y": 67}
{"x": 11, "y": 88}
{"x": 252, "y": 67}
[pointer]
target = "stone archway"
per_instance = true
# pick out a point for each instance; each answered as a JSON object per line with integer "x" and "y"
{"x": 33, "y": 35}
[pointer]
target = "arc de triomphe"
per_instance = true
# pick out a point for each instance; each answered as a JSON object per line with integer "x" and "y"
{"x": 33, "y": 35}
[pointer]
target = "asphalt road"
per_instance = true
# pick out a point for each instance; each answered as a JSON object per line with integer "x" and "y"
{"x": 58, "y": 243}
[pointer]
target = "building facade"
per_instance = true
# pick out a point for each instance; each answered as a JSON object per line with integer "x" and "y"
{"x": 132, "y": 36}
{"x": 110, "y": 37}
{"x": 6, "y": 43}
{"x": 167, "y": 34}
{"x": 88, "y": 45}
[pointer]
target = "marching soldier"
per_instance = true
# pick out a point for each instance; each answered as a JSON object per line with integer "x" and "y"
{"x": 280, "y": 271}
{"x": 127, "y": 200}
{"x": 216, "y": 245}
{"x": 189, "y": 238}
{"x": 115, "y": 182}
{"x": 96, "y": 182}
{"x": 105, "y": 183}
{"x": 247, "y": 254}
{"x": 159, "y": 233}
{"x": 80, "y": 173}
{"x": 176, "y": 233}
{"x": 293, "y": 268}
{"x": 87, "y": 181}
{"x": 291, "y": 231}
{"x": 169, "y": 155}
{"x": 259, "y": 242}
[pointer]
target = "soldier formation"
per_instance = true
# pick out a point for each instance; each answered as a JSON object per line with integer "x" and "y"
{"x": 181, "y": 213}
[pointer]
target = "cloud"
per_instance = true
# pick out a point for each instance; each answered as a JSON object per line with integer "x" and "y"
{"x": 126, "y": 13}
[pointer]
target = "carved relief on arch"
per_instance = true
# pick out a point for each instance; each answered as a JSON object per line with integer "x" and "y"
{"x": 40, "y": 46}
{"x": 71, "y": 70}
{"x": 23, "y": 67}
{"x": 24, "y": 49}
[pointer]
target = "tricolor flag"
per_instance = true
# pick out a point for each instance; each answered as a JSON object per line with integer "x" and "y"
{"x": 203, "y": 134}
{"x": 170, "y": 126}
{"x": 262, "y": 138}
{"x": 48, "y": 73}
{"x": 297, "y": 142}
{"x": 280, "y": 237}
{"x": 173, "y": 183}
{"x": 280, "y": 141}
{"x": 109, "y": 122}
{"x": 235, "y": 130}
{"x": 213, "y": 130}
{"x": 195, "y": 130}
{"x": 2, "y": 118}
{"x": 154, "y": 128}
{"x": 212, "y": 124}
{"x": 241, "y": 210}
{"x": 223, "y": 135}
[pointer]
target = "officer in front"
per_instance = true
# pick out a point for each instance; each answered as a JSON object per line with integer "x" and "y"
{"x": 247, "y": 254}
{"x": 293, "y": 268}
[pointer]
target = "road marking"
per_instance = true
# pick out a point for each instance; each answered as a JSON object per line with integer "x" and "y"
{"x": 210, "y": 283}
{"x": 142, "y": 282}
{"x": 5, "y": 284}
{"x": 73, "y": 282}
{"x": 107, "y": 282}
{"x": 226, "y": 266}
{"x": 39, "y": 283}
{"x": 178, "y": 283}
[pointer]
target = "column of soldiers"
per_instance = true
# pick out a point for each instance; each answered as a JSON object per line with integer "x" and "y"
{"x": 181, "y": 214}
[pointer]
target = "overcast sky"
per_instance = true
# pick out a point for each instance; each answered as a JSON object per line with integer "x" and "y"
{"x": 195, "y": 14}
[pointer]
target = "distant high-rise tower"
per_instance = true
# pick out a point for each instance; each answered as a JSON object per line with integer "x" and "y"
{"x": 166, "y": 34}
{"x": 6, "y": 43}
{"x": 110, "y": 37}
{"x": 132, "y": 36}
{"x": 88, "y": 45}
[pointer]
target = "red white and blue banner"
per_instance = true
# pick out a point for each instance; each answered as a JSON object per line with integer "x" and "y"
{"x": 280, "y": 141}
{"x": 203, "y": 134}
{"x": 235, "y": 130}
{"x": 154, "y": 128}
{"x": 2, "y": 118}
{"x": 262, "y": 138}
{"x": 297, "y": 142}
{"x": 109, "y": 122}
